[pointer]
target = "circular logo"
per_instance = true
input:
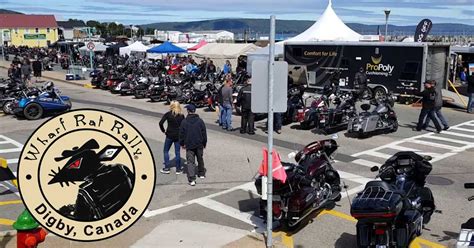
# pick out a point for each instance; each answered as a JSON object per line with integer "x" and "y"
{"x": 86, "y": 175}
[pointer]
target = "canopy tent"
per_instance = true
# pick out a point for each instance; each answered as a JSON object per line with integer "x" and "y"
{"x": 185, "y": 46}
{"x": 167, "y": 47}
{"x": 220, "y": 52}
{"x": 329, "y": 27}
{"x": 199, "y": 45}
{"x": 137, "y": 46}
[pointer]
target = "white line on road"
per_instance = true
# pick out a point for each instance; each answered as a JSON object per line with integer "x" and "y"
{"x": 12, "y": 161}
{"x": 459, "y": 134}
{"x": 437, "y": 145}
{"x": 449, "y": 140}
{"x": 10, "y": 150}
{"x": 14, "y": 142}
{"x": 232, "y": 212}
{"x": 463, "y": 129}
{"x": 378, "y": 154}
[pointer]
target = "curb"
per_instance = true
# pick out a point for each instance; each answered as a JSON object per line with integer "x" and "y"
{"x": 72, "y": 82}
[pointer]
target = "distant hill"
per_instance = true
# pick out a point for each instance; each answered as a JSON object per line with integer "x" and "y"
{"x": 261, "y": 27}
{"x": 6, "y": 11}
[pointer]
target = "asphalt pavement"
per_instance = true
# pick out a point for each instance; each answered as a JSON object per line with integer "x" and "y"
{"x": 225, "y": 203}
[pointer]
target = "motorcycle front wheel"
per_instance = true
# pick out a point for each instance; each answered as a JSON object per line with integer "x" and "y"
{"x": 33, "y": 111}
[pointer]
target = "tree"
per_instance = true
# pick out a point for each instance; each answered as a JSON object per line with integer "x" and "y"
{"x": 150, "y": 31}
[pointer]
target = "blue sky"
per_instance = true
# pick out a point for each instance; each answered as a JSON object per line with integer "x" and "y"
{"x": 404, "y": 12}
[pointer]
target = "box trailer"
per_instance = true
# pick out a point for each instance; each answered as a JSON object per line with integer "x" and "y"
{"x": 396, "y": 67}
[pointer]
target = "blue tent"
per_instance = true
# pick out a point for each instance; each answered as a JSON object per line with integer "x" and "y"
{"x": 167, "y": 47}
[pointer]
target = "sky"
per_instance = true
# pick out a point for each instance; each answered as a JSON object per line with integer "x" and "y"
{"x": 403, "y": 12}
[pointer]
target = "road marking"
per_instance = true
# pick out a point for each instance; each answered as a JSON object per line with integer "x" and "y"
{"x": 462, "y": 129}
{"x": 232, "y": 212}
{"x": 353, "y": 177}
{"x": 402, "y": 148}
{"x": 366, "y": 163}
{"x": 286, "y": 238}
{"x": 437, "y": 145}
{"x": 458, "y": 134}
{"x": 12, "y": 161}
{"x": 4, "y": 142}
{"x": 6, "y": 222}
{"x": 378, "y": 154}
{"x": 14, "y": 142}
{"x": 352, "y": 191}
{"x": 2, "y": 203}
{"x": 9, "y": 150}
{"x": 449, "y": 140}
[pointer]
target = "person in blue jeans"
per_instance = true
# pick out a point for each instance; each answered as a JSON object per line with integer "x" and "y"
{"x": 470, "y": 92}
{"x": 227, "y": 101}
{"x": 173, "y": 118}
{"x": 438, "y": 105}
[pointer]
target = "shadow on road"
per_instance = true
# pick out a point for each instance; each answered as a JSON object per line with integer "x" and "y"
{"x": 346, "y": 240}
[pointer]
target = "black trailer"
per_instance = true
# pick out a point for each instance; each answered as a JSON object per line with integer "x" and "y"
{"x": 391, "y": 67}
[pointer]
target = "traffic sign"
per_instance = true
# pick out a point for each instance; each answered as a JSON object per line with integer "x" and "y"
{"x": 260, "y": 86}
{"x": 90, "y": 46}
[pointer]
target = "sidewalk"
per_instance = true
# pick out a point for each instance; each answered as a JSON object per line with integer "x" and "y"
{"x": 51, "y": 75}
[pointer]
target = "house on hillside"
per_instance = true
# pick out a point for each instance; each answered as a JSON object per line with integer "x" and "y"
{"x": 28, "y": 30}
{"x": 72, "y": 29}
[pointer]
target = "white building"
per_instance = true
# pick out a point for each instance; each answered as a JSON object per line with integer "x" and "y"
{"x": 208, "y": 35}
{"x": 172, "y": 36}
{"x": 72, "y": 29}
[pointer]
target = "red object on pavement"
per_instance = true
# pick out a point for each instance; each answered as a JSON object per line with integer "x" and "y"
{"x": 30, "y": 238}
{"x": 277, "y": 168}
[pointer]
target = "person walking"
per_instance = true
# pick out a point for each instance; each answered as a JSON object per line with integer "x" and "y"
{"x": 438, "y": 105}
{"x": 463, "y": 75}
{"x": 193, "y": 138}
{"x": 173, "y": 118}
{"x": 26, "y": 71}
{"x": 227, "y": 105}
{"x": 428, "y": 105}
{"x": 470, "y": 92}
{"x": 244, "y": 100}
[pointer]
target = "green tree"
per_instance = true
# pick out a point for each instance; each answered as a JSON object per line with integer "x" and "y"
{"x": 150, "y": 31}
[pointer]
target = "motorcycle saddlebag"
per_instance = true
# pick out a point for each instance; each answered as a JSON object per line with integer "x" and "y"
{"x": 104, "y": 193}
{"x": 377, "y": 202}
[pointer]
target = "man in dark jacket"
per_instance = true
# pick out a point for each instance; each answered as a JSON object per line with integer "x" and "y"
{"x": 244, "y": 100}
{"x": 437, "y": 108}
{"x": 427, "y": 110}
{"x": 470, "y": 92}
{"x": 193, "y": 138}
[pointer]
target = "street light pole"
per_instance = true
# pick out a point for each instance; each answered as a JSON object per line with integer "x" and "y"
{"x": 89, "y": 32}
{"x": 387, "y": 13}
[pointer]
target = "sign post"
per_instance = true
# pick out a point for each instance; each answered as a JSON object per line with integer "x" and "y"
{"x": 91, "y": 47}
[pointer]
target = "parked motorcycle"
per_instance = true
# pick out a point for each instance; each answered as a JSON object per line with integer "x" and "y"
{"x": 97, "y": 77}
{"x": 382, "y": 119}
{"x": 312, "y": 184}
{"x": 466, "y": 235}
{"x": 392, "y": 212}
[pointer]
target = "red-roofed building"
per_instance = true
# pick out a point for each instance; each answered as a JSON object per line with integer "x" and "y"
{"x": 28, "y": 30}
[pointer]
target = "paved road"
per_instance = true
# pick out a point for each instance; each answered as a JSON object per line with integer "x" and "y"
{"x": 227, "y": 198}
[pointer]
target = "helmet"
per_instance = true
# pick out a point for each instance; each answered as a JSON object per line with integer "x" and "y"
{"x": 49, "y": 85}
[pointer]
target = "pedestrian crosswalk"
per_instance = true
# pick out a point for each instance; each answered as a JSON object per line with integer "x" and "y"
{"x": 10, "y": 150}
{"x": 442, "y": 145}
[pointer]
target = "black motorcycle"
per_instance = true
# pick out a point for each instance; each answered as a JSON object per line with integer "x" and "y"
{"x": 97, "y": 77}
{"x": 312, "y": 184}
{"x": 466, "y": 235}
{"x": 392, "y": 212}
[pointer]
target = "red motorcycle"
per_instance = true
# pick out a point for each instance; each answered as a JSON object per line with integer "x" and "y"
{"x": 312, "y": 184}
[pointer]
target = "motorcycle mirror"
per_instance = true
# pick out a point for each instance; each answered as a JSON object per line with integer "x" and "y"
{"x": 335, "y": 136}
{"x": 427, "y": 158}
{"x": 292, "y": 155}
{"x": 374, "y": 169}
{"x": 469, "y": 185}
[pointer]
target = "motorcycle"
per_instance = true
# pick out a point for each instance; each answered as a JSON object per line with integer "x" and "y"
{"x": 97, "y": 77}
{"x": 466, "y": 235}
{"x": 392, "y": 212}
{"x": 382, "y": 119}
{"x": 312, "y": 184}
{"x": 295, "y": 105}
{"x": 141, "y": 90}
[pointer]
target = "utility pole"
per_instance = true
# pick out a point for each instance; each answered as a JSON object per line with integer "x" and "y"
{"x": 387, "y": 13}
{"x": 3, "y": 45}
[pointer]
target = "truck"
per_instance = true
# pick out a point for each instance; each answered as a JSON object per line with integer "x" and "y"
{"x": 396, "y": 67}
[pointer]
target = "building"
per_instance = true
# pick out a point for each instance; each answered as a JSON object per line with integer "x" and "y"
{"x": 172, "y": 36}
{"x": 28, "y": 30}
{"x": 209, "y": 36}
{"x": 72, "y": 29}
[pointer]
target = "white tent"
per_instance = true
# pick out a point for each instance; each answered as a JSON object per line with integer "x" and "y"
{"x": 220, "y": 52}
{"x": 98, "y": 47}
{"x": 329, "y": 27}
{"x": 137, "y": 46}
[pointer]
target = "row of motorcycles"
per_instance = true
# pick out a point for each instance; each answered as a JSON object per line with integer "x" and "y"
{"x": 335, "y": 110}
{"x": 165, "y": 85}
{"x": 391, "y": 210}
{"x": 31, "y": 103}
